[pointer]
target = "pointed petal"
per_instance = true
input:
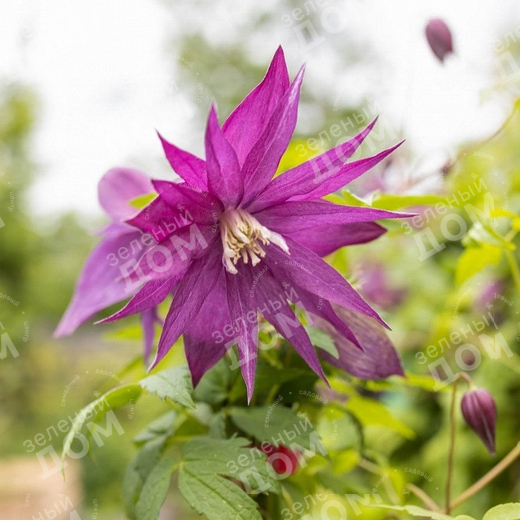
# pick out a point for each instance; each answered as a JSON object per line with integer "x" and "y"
{"x": 118, "y": 187}
{"x": 149, "y": 319}
{"x": 240, "y": 303}
{"x": 250, "y": 118}
{"x": 320, "y": 176}
{"x": 97, "y": 286}
{"x": 187, "y": 166}
{"x": 148, "y": 297}
{"x": 262, "y": 162}
{"x": 324, "y": 240}
{"x": 285, "y": 321}
{"x": 303, "y": 268}
{"x": 377, "y": 360}
{"x": 195, "y": 206}
{"x": 224, "y": 176}
{"x": 188, "y": 299}
{"x": 292, "y": 216}
{"x": 202, "y": 349}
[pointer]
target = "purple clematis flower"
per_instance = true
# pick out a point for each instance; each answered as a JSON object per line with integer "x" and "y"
{"x": 98, "y": 286}
{"x": 233, "y": 242}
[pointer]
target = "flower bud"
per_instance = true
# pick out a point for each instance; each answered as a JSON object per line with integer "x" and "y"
{"x": 285, "y": 460}
{"x": 439, "y": 38}
{"x": 480, "y": 413}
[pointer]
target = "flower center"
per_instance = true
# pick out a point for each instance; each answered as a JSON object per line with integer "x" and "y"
{"x": 243, "y": 237}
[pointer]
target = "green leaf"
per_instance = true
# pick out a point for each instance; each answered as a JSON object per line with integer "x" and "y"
{"x": 215, "y": 384}
{"x": 265, "y": 423}
{"x": 423, "y": 513}
{"x": 347, "y": 199}
{"x": 112, "y": 400}
{"x": 206, "y": 462}
{"x": 138, "y": 472}
{"x": 161, "y": 426}
{"x": 373, "y": 413}
{"x": 154, "y": 491}
{"x": 322, "y": 340}
{"x": 504, "y": 512}
{"x": 173, "y": 383}
{"x": 483, "y": 234}
{"x": 474, "y": 260}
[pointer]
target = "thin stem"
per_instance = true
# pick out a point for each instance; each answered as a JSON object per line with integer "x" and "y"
{"x": 514, "y": 269}
{"x": 489, "y": 476}
{"x": 425, "y": 498}
{"x": 452, "y": 446}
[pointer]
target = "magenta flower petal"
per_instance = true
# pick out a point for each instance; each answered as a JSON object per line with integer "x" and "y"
{"x": 292, "y": 216}
{"x": 250, "y": 118}
{"x": 118, "y": 187}
{"x": 187, "y": 166}
{"x": 149, "y": 319}
{"x": 285, "y": 321}
{"x": 263, "y": 160}
{"x": 289, "y": 184}
{"x": 224, "y": 175}
{"x": 191, "y": 293}
{"x": 202, "y": 348}
{"x": 147, "y": 298}
{"x": 324, "y": 240}
{"x": 377, "y": 360}
{"x": 480, "y": 413}
{"x": 303, "y": 268}
{"x": 240, "y": 304}
{"x": 97, "y": 286}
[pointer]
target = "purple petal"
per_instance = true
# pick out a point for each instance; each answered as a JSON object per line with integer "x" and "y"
{"x": 261, "y": 163}
{"x": 187, "y": 166}
{"x": 285, "y": 321}
{"x": 172, "y": 258}
{"x": 224, "y": 176}
{"x": 196, "y": 206}
{"x": 149, "y": 319}
{"x": 118, "y": 187}
{"x": 98, "y": 286}
{"x": 316, "y": 184}
{"x": 292, "y": 216}
{"x": 377, "y": 360}
{"x": 201, "y": 347}
{"x": 250, "y": 118}
{"x": 240, "y": 303}
{"x": 303, "y": 268}
{"x": 324, "y": 240}
{"x": 188, "y": 299}
{"x": 316, "y": 306}
{"x": 148, "y": 297}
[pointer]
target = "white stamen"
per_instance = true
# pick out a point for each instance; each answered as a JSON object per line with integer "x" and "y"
{"x": 241, "y": 237}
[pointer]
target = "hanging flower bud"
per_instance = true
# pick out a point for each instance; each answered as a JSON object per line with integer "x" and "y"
{"x": 480, "y": 413}
{"x": 439, "y": 38}
{"x": 283, "y": 460}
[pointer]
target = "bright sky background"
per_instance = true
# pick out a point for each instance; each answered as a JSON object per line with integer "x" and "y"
{"x": 106, "y": 83}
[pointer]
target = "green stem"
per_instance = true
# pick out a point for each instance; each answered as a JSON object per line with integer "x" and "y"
{"x": 514, "y": 269}
{"x": 489, "y": 476}
{"x": 452, "y": 446}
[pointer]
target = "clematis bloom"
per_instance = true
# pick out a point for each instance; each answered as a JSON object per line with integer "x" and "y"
{"x": 234, "y": 242}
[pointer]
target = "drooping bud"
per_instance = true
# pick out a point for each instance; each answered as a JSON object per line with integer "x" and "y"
{"x": 480, "y": 413}
{"x": 282, "y": 459}
{"x": 439, "y": 37}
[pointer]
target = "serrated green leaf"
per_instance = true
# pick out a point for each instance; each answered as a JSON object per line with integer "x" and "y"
{"x": 504, "y": 512}
{"x": 204, "y": 473}
{"x": 154, "y": 491}
{"x": 322, "y": 340}
{"x": 173, "y": 383}
{"x": 474, "y": 260}
{"x": 266, "y": 423}
{"x": 111, "y": 400}
{"x": 139, "y": 471}
{"x": 163, "y": 425}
